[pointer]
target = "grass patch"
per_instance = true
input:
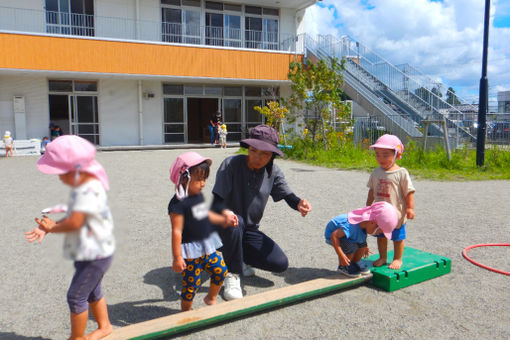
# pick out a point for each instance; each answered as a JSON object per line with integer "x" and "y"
{"x": 428, "y": 165}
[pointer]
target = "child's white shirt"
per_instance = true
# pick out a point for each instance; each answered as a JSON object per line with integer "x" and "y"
{"x": 8, "y": 141}
{"x": 94, "y": 240}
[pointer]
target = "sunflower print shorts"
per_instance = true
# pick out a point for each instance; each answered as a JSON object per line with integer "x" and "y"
{"x": 212, "y": 264}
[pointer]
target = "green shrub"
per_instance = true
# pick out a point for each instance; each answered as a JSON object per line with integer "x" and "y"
{"x": 432, "y": 164}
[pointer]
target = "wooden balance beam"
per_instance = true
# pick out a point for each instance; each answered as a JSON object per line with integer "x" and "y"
{"x": 205, "y": 316}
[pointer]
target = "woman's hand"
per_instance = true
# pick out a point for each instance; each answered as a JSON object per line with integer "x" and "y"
{"x": 178, "y": 264}
{"x": 304, "y": 207}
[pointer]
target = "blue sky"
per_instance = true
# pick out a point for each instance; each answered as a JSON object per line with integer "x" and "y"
{"x": 441, "y": 38}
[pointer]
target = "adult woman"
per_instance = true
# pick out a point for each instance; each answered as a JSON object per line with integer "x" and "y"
{"x": 243, "y": 185}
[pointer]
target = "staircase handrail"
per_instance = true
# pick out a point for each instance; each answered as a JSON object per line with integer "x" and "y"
{"x": 363, "y": 57}
{"x": 462, "y": 100}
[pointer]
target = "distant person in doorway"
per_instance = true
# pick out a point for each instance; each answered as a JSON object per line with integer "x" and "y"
{"x": 212, "y": 125}
{"x": 223, "y": 136}
{"x": 58, "y": 131}
{"x": 53, "y": 133}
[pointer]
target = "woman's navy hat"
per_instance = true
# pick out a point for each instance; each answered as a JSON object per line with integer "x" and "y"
{"x": 264, "y": 138}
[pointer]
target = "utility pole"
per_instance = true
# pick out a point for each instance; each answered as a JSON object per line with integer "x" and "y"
{"x": 484, "y": 92}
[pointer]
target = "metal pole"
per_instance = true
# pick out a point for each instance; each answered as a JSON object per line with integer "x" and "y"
{"x": 484, "y": 95}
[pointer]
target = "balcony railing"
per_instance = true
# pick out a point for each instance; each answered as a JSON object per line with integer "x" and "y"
{"x": 70, "y": 23}
{"x": 65, "y": 23}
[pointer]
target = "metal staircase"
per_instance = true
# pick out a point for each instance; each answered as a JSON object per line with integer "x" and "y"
{"x": 385, "y": 90}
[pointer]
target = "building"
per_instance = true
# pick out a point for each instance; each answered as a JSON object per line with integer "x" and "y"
{"x": 143, "y": 72}
{"x": 504, "y": 101}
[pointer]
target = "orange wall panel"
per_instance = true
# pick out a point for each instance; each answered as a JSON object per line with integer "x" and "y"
{"x": 29, "y": 52}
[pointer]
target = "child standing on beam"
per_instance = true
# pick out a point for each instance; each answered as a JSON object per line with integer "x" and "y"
{"x": 391, "y": 183}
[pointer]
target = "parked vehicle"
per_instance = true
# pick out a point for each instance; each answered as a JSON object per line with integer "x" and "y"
{"x": 498, "y": 130}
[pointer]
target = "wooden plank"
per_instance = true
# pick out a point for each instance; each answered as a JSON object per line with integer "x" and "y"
{"x": 205, "y": 316}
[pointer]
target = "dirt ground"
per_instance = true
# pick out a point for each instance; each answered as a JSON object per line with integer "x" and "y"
{"x": 470, "y": 302}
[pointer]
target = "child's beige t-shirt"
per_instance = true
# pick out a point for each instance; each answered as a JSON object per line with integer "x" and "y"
{"x": 392, "y": 187}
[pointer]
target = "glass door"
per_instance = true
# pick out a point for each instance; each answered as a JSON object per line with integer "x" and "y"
{"x": 174, "y": 123}
{"x": 84, "y": 117}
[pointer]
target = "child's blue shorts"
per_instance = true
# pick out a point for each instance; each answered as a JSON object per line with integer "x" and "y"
{"x": 397, "y": 234}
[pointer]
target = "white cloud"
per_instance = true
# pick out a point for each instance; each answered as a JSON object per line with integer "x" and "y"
{"x": 442, "y": 39}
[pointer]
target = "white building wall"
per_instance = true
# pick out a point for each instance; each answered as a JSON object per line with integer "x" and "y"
{"x": 115, "y": 19}
{"x": 150, "y": 20}
{"x": 35, "y": 91}
{"x": 27, "y": 4}
{"x": 153, "y": 113}
{"x": 287, "y": 22}
{"x": 118, "y": 112}
{"x": 22, "y": 15}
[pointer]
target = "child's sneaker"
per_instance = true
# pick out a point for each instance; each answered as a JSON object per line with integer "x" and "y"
{"x": 350, "y": 270}
{"x": 363, "y": 268}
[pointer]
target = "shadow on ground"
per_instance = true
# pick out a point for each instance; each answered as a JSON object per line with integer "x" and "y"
{"x": 13, "y": 336}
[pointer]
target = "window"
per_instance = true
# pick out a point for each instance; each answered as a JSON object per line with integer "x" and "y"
{"x": 222, "y": 29}
{"x": 261, "y": 28}
{"x": 85, "y": 86}
{"x": 233, "y": 91}
{"x": 214, "y": 29}
{"x": 60, "y": 85}
{"x": 218, "y": 6}
{"x": 73, "y": 17}
{"x": 180, "y": 25}
{"x": 173, "y": 89}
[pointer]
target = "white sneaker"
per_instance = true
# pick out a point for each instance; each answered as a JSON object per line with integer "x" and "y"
{"x": 232, "y": 287}
{"x": 248, "y": 270}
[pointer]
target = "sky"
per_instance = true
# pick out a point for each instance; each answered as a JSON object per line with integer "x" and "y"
{"x": 441, "y": 38}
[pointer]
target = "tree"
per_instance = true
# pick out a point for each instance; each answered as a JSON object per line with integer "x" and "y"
{"x": 451, "y": 97}
{"x": 274, "y": 113}
{"x": 423, "y": 93}
{"x": 436, "y": 97}
{"x": 316, "y": 90}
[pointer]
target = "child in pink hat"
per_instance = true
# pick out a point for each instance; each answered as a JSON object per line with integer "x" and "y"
{"x": 391, "y": 183}
{"x": 88, "y": 228}
{"x": 347, "y": 234}
{"x": 194, "y": 242}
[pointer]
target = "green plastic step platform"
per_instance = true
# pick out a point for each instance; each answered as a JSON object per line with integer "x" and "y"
{"x": 418, "y": 266}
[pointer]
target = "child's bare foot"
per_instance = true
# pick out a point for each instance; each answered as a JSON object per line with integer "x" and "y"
{"x": 396, "y": 264}
{"x": 379, "y": 262}
{"x": 99, "y": 333}
{"x": 209, "y": 301}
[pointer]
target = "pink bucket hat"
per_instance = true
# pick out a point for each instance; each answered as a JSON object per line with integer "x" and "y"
{"x": 389, "y": 142}
{"x": 183, "y": 163}
{"x": 70, "y": 153}
{"x": 381, "y": 212}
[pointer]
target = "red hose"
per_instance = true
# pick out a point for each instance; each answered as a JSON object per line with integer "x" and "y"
{"x": 464, "y": 253}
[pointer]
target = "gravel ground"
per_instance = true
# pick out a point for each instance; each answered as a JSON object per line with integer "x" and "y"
{"x": 470, "y": 302}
